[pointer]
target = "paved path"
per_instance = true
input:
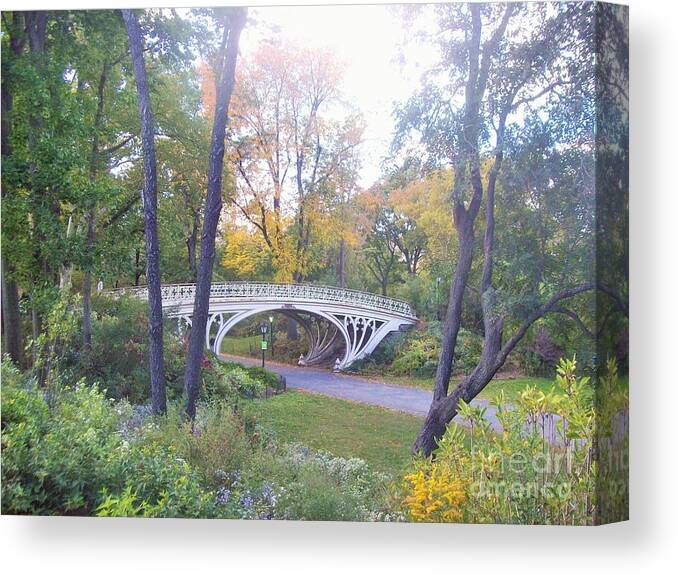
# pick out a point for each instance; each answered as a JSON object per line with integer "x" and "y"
{"x": 413, "y": 400}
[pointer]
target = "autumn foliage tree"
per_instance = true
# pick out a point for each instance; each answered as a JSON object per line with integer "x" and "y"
{"x": 293, "y": 148}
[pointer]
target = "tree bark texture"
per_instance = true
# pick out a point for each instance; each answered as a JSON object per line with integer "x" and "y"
{"x": 150, "y": 201}
{"x": 225, "y": 83}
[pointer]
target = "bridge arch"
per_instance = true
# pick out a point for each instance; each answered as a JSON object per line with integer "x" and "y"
{"x": 237, "y": 317}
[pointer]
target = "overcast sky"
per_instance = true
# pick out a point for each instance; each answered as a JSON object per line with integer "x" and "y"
{"x": 366, "y": 39}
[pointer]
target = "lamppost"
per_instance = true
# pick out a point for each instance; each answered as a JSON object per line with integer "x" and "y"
{"x": 264, "y": 329}
{"x": 270, "y": 337}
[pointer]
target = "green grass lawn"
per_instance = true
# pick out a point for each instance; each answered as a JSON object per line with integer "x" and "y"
{"x": 379, "y": 436}
{"x": 512, "y": 387}
{"x": 241, "y": 345}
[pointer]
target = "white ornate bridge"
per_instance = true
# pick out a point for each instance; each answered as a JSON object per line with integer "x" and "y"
{"x": 361, "y": 319}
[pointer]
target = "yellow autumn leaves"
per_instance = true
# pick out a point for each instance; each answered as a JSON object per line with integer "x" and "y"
{"x": 435, "y": 495}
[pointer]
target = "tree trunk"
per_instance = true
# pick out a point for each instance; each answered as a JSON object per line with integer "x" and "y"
{"x": 11, "y": 318}
{"x": 87, "y": 286}
{"x": 149, "y": 199}
{"x": 454, "y": 308}
{"x": 91, "y": 214}
{"x": 443, "y": 408}
{"x": 342, "y": 263}
{"x": 191, "y": 244}
{"x": 225, "y": 83}
{"x": 36, "y": 29}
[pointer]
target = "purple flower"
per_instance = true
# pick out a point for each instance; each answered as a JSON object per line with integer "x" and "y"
{"x": 223, "y": 495}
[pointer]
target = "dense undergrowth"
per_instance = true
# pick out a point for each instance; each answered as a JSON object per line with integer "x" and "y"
{"x": 86, "y": 454}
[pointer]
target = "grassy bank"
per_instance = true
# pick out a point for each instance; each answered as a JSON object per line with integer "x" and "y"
{"x": 379, "y": 436}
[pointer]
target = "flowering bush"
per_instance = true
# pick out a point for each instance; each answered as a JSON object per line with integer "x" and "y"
{"x": 293, "y": 482}
{"x": 80, "y": 458}
{"x": 542, "y": 467}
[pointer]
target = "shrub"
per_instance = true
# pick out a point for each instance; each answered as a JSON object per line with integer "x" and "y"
{"x": 214, "y": 445}
{"x": 435, "y": 495}
{"x": 89, "y": 454}
{"x": 157, "y": 483}
{"x": 266, "y": 377}
{"x": 228, "y": 382}
{"x": 315, "y": 497}
{"x": 118, "y": 358}
{"x": 331, "y": 488}
{"x": 73, "y": 459}
{"x": 292, "y": 482}
{"x": 417, "y": 354}
{"x": 56, "y": 462}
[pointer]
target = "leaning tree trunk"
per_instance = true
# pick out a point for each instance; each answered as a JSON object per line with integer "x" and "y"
{"x": 225, "y": 83}
{"x": 150, "y": 203}
{"x": 453, "y": 316}
{"x": 443, "y": 407}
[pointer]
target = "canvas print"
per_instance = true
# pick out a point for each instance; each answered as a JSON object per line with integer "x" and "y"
{"x": 328, "y": 263}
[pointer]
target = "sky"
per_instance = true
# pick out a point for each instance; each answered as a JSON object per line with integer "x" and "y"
{"x": 366, "y": 39}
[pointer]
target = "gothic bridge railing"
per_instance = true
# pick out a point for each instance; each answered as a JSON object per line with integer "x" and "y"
{"x": 173, "y": 294}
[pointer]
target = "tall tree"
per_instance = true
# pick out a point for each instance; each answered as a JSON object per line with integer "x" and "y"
{"x": 233, "y": 22}
{"x": 291, "y": 154}
{"x": 499, "y": 70}
{"x": 41, "y": 123}
{"x": 150, "y": 204}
